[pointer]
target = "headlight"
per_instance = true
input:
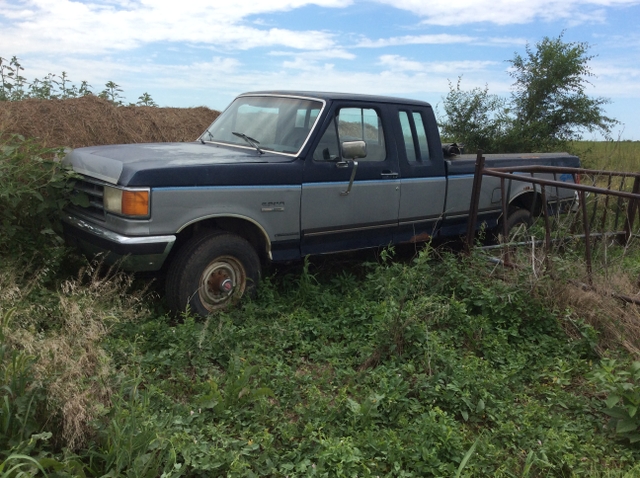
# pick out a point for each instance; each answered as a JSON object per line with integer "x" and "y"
{"x": 127, "y": 202}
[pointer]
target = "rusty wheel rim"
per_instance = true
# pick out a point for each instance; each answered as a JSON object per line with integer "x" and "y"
{"x": 222, "y": 282}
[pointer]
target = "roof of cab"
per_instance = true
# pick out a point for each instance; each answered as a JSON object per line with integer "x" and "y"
{"x": 329, "y": 96}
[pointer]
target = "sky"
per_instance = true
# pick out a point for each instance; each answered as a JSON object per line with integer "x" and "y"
{"x": 205, "y": 52}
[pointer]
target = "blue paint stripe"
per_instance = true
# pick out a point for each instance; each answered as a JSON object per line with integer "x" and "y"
{"x": 342, "y": 183}
{"x": 206, "y": 188}
{"x": 429, "y": 179}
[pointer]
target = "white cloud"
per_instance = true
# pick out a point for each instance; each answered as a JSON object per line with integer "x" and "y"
{"x": 310, "y": 60}
{"x": 337, "y": 53}
{"x": 506, "y": 12}
{"x": 398, "y": 63}
{"x": 304, "y": 64}
{"x": 614, "y": 79}
{"x": 216, "y": 82}
{"x": 451, "y": 68}
{"x": 415, "y": 40}
{"x": 441, "y": 39}
{"x": 92, "y": 27}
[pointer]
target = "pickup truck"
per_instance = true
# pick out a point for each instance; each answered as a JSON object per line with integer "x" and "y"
{"x": 280, "y": 175}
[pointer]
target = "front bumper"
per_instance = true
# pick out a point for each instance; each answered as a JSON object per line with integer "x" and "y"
{"x": 132, "y": 253}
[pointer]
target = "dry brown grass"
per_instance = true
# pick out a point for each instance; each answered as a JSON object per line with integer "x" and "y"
{"x": 90, "y": 121}
{"x": 617, "y": 322}
{"x": 562, "y": 281}
{"x": 64, "y": 334}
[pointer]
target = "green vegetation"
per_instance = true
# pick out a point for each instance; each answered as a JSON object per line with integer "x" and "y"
{"x": 438, "y": 365}
{"x": 33, "y": 193}
{"x": 15, "y": 87}
{"x": 391, "y": 368}
{"x": 548, "y": 106}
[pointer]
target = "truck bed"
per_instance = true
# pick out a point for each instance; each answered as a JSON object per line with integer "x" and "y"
{"x": 465, "y": 163}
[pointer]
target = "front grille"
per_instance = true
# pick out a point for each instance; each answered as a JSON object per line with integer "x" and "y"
{"x": 92, "y": 202}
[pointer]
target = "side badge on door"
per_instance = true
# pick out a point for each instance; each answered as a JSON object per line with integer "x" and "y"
{"x": 273, "y": 206}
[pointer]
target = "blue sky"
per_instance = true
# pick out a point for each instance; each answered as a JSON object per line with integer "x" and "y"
{"x": 196, "y": 53}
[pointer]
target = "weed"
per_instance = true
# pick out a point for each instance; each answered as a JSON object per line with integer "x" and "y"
{"x": 622, "y": 386}
{"x": 15, "y": 87}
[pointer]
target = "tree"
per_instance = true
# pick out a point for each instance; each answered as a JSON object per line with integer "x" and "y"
{"x": 549, "y": 96}
{"x": 474, "y": 117}
{"x": 548, "y": 107}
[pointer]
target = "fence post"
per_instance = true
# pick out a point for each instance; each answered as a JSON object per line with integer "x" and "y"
{"x": 475, "y": 200}
{"x": 631, "y": 211}
{"x": 587, "y": 238}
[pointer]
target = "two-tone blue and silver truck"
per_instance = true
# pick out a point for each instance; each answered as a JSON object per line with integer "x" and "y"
{"x": 280, "y": 175}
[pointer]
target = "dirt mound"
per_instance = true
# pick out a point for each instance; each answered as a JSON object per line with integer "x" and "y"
{"x": 90, "y": 121}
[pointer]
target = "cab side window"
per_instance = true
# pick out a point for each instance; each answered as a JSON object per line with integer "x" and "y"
{"x": 353, "y": 124}
{"x": 415, "y": 136}
{"x": 407, "y": 134}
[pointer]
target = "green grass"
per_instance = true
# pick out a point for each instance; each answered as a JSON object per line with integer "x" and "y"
{"x": 609, "y": 155}
{"x": 396, "y": 368}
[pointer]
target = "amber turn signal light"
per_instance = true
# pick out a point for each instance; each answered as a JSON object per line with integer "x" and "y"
{"x": 135, "y": 203}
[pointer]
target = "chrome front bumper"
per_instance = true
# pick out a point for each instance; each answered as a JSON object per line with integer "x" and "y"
{"x": 133, "y": 253}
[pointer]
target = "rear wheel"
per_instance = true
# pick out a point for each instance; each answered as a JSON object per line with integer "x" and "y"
{"x": 518, "y": 222}
{"x": 211, "y": 272}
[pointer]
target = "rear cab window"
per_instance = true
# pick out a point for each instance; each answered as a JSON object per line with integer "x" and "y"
{"x": 414, "y": 135}
{"x": 419, "y": 137}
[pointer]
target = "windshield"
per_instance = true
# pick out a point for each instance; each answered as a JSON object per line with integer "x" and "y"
{"x": 265, "y": 123}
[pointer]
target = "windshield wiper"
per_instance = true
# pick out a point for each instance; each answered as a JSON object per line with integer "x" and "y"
{"x": 206, "y": 132}
{"x": 250, "y": 140}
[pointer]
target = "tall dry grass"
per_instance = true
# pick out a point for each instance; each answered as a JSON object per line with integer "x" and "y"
{"x": 603, "y": 299}
{"x": 63, "y": 330}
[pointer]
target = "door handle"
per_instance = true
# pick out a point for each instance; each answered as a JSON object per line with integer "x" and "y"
{"x": 389, "y": 174}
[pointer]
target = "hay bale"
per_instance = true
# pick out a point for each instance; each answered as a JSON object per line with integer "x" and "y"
{"x": 90, "y": 121}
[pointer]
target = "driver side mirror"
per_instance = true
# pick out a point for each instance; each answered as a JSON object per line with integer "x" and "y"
{"x": 354, "y": 149}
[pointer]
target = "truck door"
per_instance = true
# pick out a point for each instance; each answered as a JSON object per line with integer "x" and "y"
{"x": 341, "y": 210}
{"x": 423, "y": 184}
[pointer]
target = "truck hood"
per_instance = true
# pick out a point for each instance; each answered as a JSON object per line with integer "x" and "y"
{"x": 122, "y": 163}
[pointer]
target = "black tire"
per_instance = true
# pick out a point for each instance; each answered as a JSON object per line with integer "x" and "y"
{"x": 212, "y": 271}
{"x": 517, "y": 218}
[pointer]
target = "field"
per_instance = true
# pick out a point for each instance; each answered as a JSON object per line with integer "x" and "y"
{"x": 609, "y": 155}
{"x": 418, "y": 362}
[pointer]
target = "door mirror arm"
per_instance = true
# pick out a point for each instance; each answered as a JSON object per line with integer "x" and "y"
{"x": 351, "y": 152}
{"x": 353, "y": 175}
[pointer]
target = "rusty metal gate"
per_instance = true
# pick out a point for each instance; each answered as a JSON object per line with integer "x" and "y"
{"x": 607, "y": 203}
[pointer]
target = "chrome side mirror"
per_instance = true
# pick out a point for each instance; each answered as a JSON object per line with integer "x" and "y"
{"x": 354, "y": 149}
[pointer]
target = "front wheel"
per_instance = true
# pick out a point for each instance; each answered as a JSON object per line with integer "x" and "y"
{"x": 211, "y": 272}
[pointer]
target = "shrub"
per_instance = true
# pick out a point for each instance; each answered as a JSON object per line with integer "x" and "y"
{"x": 34, "y": 188}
